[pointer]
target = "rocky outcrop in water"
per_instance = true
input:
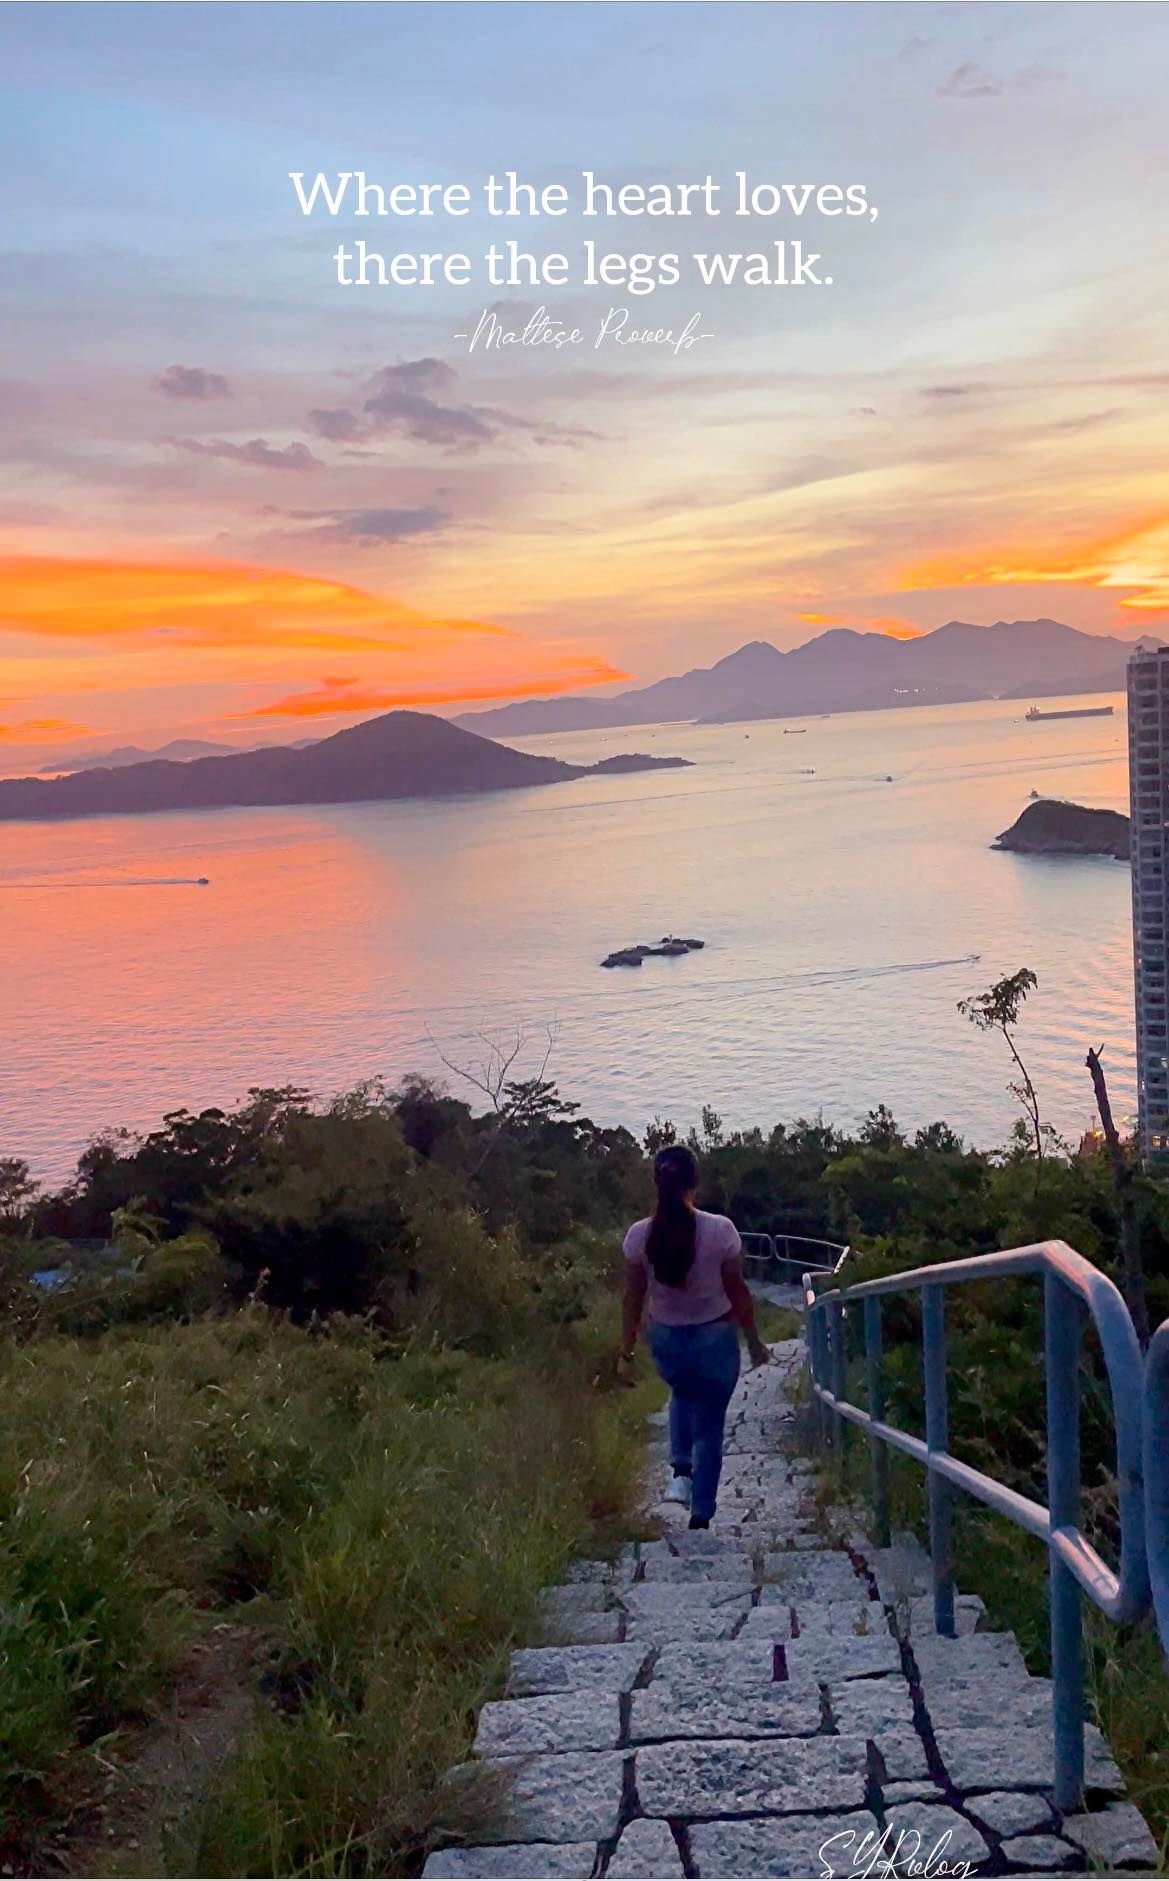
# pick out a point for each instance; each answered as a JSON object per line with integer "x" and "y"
{"x": 1051, "y": 828}
{"x": 668, "y": 948}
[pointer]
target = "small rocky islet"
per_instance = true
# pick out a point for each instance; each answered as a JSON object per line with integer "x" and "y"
{"x": 668, "y": 948}
{"x": 1050, "y": 827}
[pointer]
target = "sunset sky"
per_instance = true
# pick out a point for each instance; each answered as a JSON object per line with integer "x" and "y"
{"x": 239, "y": 502}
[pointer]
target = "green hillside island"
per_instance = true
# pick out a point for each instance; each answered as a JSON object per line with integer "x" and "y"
{"x": 399, "y": 754}
{"x": 304, "y": 1404}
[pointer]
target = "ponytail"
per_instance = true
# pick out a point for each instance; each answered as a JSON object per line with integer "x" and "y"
{"x": 670, "y": 1242}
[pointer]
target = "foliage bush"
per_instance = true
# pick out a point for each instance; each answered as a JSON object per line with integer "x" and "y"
{"x": 345, "y": 1370}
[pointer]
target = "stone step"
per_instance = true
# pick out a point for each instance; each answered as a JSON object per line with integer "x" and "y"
{"x": 749, "y": 1701}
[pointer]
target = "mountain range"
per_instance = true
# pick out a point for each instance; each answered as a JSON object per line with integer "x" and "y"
{"x": 399, "y": 754}
{"x": 181, "y": 749}
{"x": 843, "y": 671}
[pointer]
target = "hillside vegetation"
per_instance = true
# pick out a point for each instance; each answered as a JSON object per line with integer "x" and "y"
{"x": 321, "y": 1396}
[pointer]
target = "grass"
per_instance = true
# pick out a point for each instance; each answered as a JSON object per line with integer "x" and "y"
{"x": 776, "y": 1322}
{"x": 383, "y": 1519}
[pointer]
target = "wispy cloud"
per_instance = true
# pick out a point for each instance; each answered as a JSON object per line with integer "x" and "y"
{"x": 969, "y": 80}
{"x": 31, "y": 731}
{"x": 337, "y": 696}
{"x": 366, "y": 527}
{"x": 256, "y": 454}
{"x": 1136, "y": 560}
{"x": 226, "y": 604}
{"x": 417, "y": 399}
{"x": 191, "y": 382}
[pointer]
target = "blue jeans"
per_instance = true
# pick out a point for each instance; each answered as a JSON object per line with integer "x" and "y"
{"x": 701, "y": 1366}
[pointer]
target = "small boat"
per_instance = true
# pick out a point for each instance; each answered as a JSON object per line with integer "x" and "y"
{"x": 202, "y": 881}
{"x": 794, "y": 731}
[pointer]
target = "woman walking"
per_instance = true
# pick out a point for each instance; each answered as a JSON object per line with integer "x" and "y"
{"x": 683, "y": 1269}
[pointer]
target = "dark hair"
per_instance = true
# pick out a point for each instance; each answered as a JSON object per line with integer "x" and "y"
{"x": 669, "y": 1245}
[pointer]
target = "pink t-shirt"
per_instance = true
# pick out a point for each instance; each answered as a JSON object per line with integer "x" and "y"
{"x": 702, "y": 1296}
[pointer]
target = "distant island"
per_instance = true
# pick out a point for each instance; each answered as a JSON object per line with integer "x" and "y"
{"x": 843, "y": 671}
{"x": 1051, "y": 828}
{"x": 399, "y": 754}
{"x": 182, "y": 750}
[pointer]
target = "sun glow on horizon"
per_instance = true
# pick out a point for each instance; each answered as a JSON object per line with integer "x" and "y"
{"x": 1136, "y": 559}
{"x": 230, "y": 629}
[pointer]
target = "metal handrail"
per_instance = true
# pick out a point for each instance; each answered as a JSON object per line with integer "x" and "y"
{"x": 1156, "y": 1439}
{"x": 1070, "y": 1284}
{"x": 795, "y": 1266}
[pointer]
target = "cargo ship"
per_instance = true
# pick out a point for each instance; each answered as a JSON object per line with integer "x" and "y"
{"x": 1077, "y": 711}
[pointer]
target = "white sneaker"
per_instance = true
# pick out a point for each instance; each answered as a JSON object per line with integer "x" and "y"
{"x": 678, "y": 1490}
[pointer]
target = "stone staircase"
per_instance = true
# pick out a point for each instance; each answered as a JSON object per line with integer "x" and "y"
{"x": 748, "y": 1701}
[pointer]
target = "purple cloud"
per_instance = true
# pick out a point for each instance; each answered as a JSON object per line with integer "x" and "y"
{"x": 257, "y": 453}
{"x": 191, "y": 382}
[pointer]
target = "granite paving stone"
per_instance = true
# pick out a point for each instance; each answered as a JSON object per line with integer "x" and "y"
{"x": 989, "y": 1759}
{"x": 669, "y": 1625}
{"x": 713, "y": 1665}
{"x": 1011, "y": 1812}
{"x": 654, "y": 1597}
{"x": 666, "y": 1710}
{"x": 586, "y": 1720}
{"x": 582, "y": 1629}
{"x": 831, "y": 1656}
{"x": 737, "y": 1566}
{"x": 786, "y": 1846}
{"x": 1116, "y": 1837}
{"x": 574, "y": 1597}
{"x": 524, "y": 1861}
{"x": 932, "y": 1834}
{"x": 571, "y": 1797}
{"x": 647, "y": 1851}
{"x": 918, "y": 1792}
{"x": 978, "y": 1654}
{"x": 1041, "y": 1854}
{"x": 536, "y": 1669}
{"x": 864, "y": 1705}
{"x": 752, "y": 1776}
{"x": 915, "y": 1618}
{"x": 856, "y": 1618}
{"x": 901, "y": 1751}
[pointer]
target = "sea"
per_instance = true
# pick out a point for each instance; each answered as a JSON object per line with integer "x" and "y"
{"x": 839, "y": 870}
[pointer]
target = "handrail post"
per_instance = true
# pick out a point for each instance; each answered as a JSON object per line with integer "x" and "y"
{"x": 876, "y": 1394}
{"x": 1061, "y": 1333}
{"x": 839, "y": 1378}
{"x": 937, "y": 1437}
{"x": 820, "y": 1320}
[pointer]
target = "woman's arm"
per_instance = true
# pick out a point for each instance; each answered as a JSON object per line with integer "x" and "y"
{"x": 636, "y": 1282}
{"x": 743, "y": 1309}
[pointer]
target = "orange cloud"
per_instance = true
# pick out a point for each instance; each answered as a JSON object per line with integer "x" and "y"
{"x": 1136, "y": 559}
{"x": 30, "y": 731}
{"x": 213, "y": 604}
{"x": 334, "y": 696}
